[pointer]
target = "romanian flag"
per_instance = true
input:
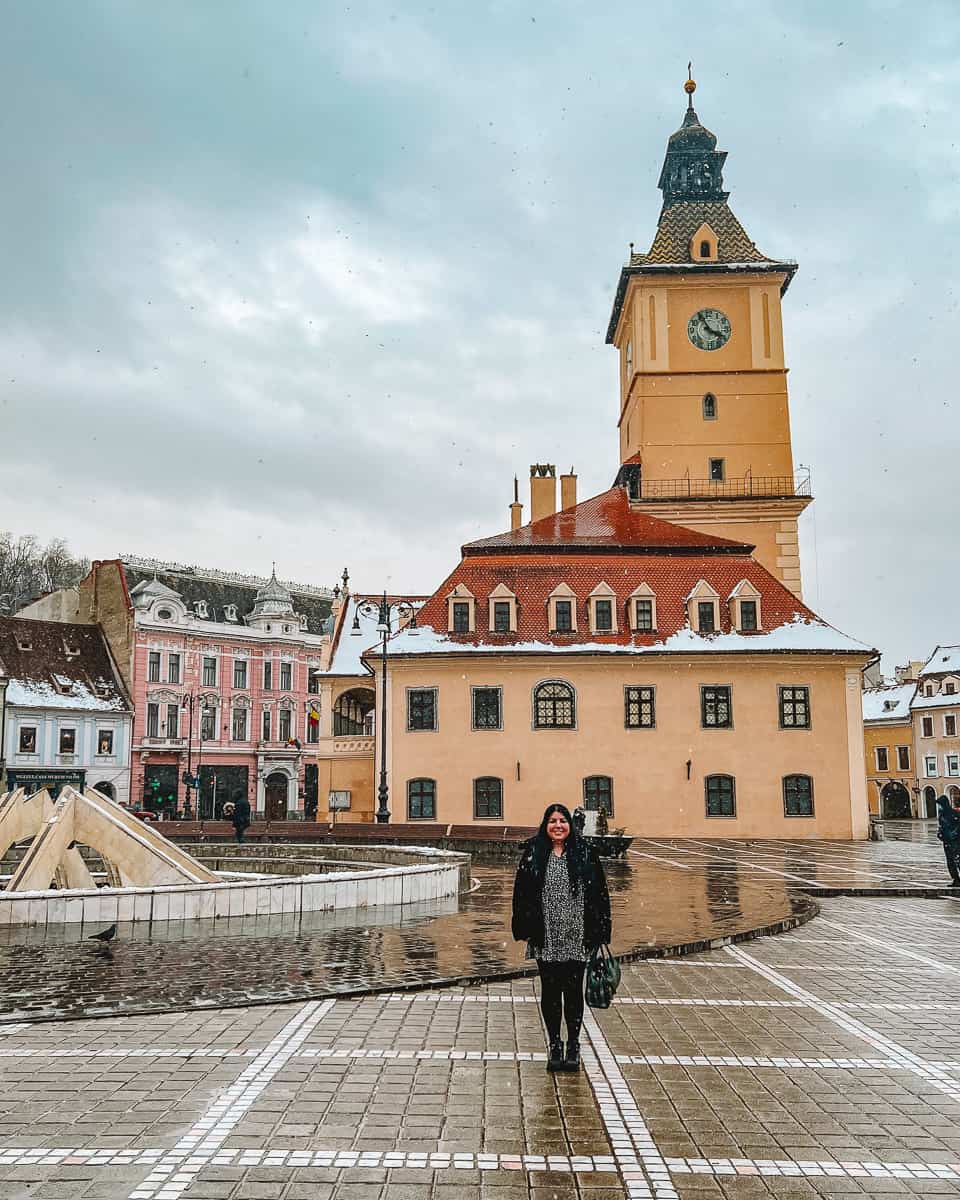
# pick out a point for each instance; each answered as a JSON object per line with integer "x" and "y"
{"x": 313, "y": 716}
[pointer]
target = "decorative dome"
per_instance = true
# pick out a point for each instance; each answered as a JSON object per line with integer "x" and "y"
{"x": 273, "y": 599}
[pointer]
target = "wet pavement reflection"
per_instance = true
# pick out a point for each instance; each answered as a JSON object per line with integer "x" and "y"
{"x": 59, "y": 973}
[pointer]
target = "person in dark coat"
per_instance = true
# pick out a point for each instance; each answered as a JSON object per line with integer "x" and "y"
{"x": 561, "y": 908}
{"x": 948, "y": 831}
{"x": 241, "y": 815}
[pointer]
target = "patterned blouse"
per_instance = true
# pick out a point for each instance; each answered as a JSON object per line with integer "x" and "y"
{"x": 562, "y": 916}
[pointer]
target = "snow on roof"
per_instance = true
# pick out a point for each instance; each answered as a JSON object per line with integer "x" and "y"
{"x": 888, "y": 703}
{"x": 945, "y": 660}
{"x": 940, "y": 701}
{"x": 352, "y": 645}
{"x": 796, "y": 635}
{"x": 54, "y": 665}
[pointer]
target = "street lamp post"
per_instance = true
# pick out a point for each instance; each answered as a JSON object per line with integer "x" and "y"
{"x": 191, "y": 780}
{"x": 385, "y": 610}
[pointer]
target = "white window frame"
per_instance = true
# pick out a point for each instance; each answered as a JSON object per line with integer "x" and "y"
{"x": 924, "y": 725}
{"x": 903, "y": 752}
{"x": 949, "y": 717}
{"x": 930, "y": 766}
{"x": 885, "y": 751}
{"x": 951, "y": 765}
{"x": 602, "y": 591}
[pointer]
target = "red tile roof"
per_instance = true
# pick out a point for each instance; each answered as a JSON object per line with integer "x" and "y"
{"x": 604, "y": 524}
{"x": 672, "y": 578}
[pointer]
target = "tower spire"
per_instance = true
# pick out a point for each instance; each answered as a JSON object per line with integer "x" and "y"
{"x": 693, "y": 166}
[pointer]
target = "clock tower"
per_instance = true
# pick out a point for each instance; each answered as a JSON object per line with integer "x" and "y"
{"x": 704, "y": 417}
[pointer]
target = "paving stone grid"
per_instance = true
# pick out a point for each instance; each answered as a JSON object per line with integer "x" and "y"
{"x": 817, "y": 1063}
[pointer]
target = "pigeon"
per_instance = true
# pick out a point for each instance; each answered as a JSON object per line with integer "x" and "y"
{"x": 105, "y": 935}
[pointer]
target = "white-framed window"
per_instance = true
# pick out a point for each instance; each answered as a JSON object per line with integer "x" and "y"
{"x": 265, "y": 726}
{"x": 718, "y": 470}
{"x": 286, "y": 677}
{"x": 562, "y": 610}
{"x": 703, "y": 608}
{"x": 284, "y": 724}
{"x": 926, "y": 727}
{"x": 153, "y": 720}
{"x": 928, "y": 689}
{"x": 950, "y": 725}
{"x": 461, "y": 610}
{"x": 903, "y": 758}
{"x": 28, "y": 739}
{"x": 745, "y": 607}
{"x": 230, "y": 612}
{"x": 173, "y": 668}
{"x": 602, "y": 608}
{"x": 930, "y": 766}
{"x": 268, "y": 674}
{"x": 153, "y": 666}
{"x": 209, "y": 670}
{"x": 882, "y": 758}
{"x": 240, "y": 676}
{"x": 643, "y": 609}
{"x": 238, "y": 730}
{"x": 951, "y": 763}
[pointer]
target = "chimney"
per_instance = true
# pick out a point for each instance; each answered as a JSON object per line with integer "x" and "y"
{"x": 568, "y": 490}
{"x": 543, "y": 490}
{"x": 516, "y": 508}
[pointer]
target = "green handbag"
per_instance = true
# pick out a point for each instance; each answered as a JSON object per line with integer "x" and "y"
{"x": 603, "y": 978}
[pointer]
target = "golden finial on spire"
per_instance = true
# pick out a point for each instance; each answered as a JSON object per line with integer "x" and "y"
{"x": 690, "y": 85}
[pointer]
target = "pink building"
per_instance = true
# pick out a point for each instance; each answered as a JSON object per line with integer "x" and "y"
{"x": 222, "y": 670}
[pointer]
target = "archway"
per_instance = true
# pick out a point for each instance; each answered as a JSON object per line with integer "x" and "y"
{"x": 930, "y": 801}
{"x": 895, "y": 801}
{"x": 106, "y": 789}
{"x": 275, "y": 796}
{"x": 953, "y": 793}
{"x": 353, "y": 713}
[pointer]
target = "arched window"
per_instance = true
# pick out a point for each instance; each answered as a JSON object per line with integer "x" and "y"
{"x": 598, "y": 794}
{"x": 797, "y": 796}
{"x": 709, "y": 407}
{"x": 554, "y": 705}
{"x": 704, "y": 249}
{"x": 487, "y": 798}
{"x": 930, "y": 802}
{"x": 721, "y": 795}
{"x": 421, "y": 799}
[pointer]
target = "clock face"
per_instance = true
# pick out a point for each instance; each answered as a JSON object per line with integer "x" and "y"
{"x": 709, "y": 329}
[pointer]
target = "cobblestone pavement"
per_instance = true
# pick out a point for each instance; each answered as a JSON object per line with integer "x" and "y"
{"x": 816, "y": 1063}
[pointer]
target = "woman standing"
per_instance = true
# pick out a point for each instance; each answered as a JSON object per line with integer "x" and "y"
{"x": 561, "y": 907}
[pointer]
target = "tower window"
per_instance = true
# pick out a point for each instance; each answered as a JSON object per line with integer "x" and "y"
{"x": 716, "y": 470}
{"x": 704, "y": 249}
{"x": 709, "y": 407}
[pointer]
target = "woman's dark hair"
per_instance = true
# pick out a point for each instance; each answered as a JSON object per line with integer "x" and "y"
{"x": 575, "y": 847}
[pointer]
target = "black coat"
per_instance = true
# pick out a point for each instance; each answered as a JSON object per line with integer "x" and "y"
{"x": 241, "y": 813}
{"x": 528, "y": 912}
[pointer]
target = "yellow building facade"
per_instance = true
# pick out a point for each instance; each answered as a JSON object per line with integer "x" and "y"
{"x": 646, "y": 651}
{"x": 889, "y": 754}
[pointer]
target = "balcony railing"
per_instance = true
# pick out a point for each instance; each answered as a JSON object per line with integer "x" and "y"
{"x": 759, "y": 487}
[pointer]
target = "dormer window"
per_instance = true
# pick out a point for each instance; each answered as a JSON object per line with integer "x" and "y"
{"x": 502, "y": 610}
{"x": 303, "y": 621}
{"x": 642, "y": 609}
{"x": 703, "y": 608}
{"x": 460, "y": 610}
{"x": 601, "y": 605}
{"x": 229, "y": 612}
{"x": 745, "y": 607}
{"x": 201, "y": 608}
{"x": 164, "y": 614}
{"x": 70, "y": 650}
{"x": 24, "y": 643}
{"x": 704, "y": 246}
{"x": 562, "y": 610}
{"x": 64, "y": 684}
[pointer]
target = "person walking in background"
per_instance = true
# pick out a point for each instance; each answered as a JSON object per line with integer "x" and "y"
{"x": 948, "y": 831}
{"x": 241, "y": 815}
{"x": 561, "y": 908}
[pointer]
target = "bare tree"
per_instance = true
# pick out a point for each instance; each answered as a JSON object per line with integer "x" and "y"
{"x": 28, "y": 570}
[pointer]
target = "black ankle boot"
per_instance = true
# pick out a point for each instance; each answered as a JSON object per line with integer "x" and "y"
{"x": 572, "y": 1060}
{"x": 555, "y": 1060}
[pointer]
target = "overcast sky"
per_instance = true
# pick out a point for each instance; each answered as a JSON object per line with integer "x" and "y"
{"x": 311, "y": 282}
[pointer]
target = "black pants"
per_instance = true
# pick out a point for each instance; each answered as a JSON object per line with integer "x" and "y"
{"x": 951, "y": 851}
{"x": 561, "y": 994}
